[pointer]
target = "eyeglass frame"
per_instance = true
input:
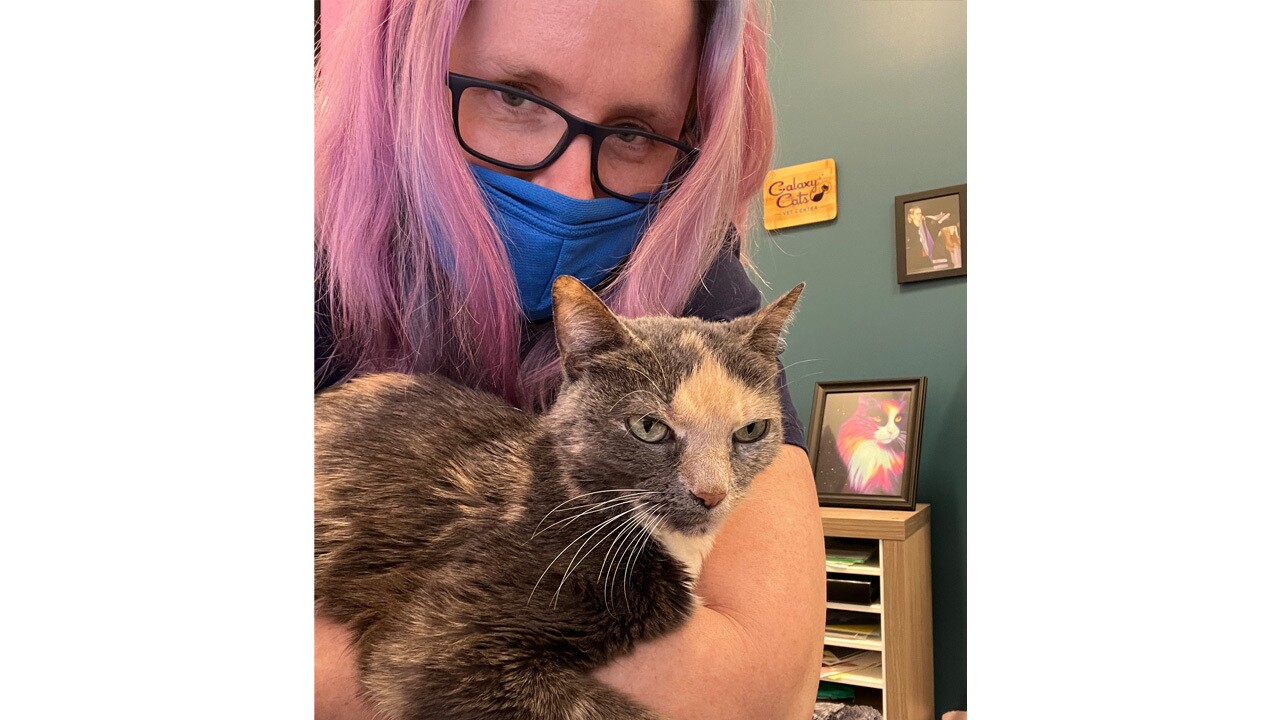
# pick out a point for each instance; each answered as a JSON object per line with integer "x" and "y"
{"x": 576, "y": 126}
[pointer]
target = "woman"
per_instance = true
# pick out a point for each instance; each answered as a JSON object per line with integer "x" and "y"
{"x": 455, "y": 178}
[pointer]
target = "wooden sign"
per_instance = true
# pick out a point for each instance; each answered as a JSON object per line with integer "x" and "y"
{"x": 800, "y": 194}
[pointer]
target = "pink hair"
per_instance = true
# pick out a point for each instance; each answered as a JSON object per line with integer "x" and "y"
{"x": 393, "y": 192}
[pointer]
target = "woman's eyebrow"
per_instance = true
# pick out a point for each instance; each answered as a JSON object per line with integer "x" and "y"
{"x": 525, "y": 74}
{"x": 651, "y": 112}
{"x": 546, "y": 84}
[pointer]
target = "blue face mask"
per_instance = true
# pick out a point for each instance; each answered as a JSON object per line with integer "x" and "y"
{"x": 548, "y": 235}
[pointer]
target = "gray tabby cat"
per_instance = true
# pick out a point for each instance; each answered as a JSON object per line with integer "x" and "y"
{"x": 488, "y": 559}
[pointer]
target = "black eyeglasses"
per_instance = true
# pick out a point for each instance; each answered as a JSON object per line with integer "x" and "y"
{"x": 515, "y": 130}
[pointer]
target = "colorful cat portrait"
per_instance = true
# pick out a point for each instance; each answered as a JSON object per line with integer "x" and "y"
{"x": 872, "y": 444}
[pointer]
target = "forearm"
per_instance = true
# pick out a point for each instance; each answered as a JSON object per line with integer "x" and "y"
{"x": 754, "y": 650}
{"x": 714, "y": 669}
{"x": 337, "y": 684}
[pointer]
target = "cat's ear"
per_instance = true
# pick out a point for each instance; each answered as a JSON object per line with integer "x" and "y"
{"x": 584, "y": 327}
{"x": 767, "y": 325}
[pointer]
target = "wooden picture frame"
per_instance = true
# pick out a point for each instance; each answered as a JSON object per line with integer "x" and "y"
{"x": 863, "y": 456}
{"x": 932, "y": 237}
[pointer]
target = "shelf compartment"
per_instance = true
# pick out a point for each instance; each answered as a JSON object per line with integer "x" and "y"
{"x": 853, "y": 642}
{"x": 862, "y": 677}
{"x": 854, "y": 628}
{"x": 853, "y": 590}
{"x": 855, "y": 570}
{"x": 851, "y": 556}
{"x": 864, "y": 668}
{"x": 876, "y": 608}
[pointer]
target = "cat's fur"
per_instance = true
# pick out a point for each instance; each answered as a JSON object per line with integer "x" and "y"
{"x": 488, "y": 559}
{"x": 872, "y": 443}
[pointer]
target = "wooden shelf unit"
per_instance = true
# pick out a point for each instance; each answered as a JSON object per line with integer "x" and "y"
{"x": 905, "y": 608}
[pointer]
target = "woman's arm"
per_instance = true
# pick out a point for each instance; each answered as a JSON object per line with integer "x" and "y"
{"x": 755, "y": 649}
{"x": 752, "y": 651}
{"x": 337, "y": 684}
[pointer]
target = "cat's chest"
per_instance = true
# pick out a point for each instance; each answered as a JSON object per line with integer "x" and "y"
{"x": 687, "y": 550}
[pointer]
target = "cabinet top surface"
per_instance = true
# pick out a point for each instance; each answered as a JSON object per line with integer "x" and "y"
{"x": 879, "y": 524}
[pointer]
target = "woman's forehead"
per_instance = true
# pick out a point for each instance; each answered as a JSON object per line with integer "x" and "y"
{"x": 587, "y": 55}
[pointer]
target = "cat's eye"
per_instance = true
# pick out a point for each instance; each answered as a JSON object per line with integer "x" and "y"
{"x": 751, "y": 432}
{"x": 648, "y": 429}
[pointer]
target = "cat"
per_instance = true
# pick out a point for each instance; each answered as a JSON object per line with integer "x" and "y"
{"x": 872, "y": 443}
{"x": 950, "y": 236}
{"x": 487, "y": 560}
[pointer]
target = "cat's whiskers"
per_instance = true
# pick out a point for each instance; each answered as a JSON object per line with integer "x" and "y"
{"x": 611, "y": 577}
{"x": 588, "y": 509}
{"x": 573, "y": 562}
{"x": 633, "y": 392}
{"x": 766, "y": 384}
{"x": 815, "y": 373}
{"x": 625, "y": 531}
{"x": 626, "y": 555}
{"x": 618, "y": 534}
{"x": 567, "y": 546}
{"x": 788, "y": 366}
{"x": 632, "y": 537}
{"x": 647, "y": 535}
{"x": 657, "y": 390}
{"x": 593, "y": 492}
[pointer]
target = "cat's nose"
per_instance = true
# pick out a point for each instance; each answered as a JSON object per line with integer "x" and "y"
{"x": 710, "y": 498}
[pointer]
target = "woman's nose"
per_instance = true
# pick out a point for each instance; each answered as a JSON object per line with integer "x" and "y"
{"x": 570, "y": 174}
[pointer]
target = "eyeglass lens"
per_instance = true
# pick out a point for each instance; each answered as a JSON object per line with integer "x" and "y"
{"x": 519, "y": 131}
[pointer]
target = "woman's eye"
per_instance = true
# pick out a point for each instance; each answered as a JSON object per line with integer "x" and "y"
{"x": 648, "y": 429}
{"x": 513, "y": 100}
{"x": 751, "y": 432}
{"x": 631, "y": 138}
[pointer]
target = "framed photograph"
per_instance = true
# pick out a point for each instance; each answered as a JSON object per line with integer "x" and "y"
{"x": 864, "y": 442}
{"x": 932, "y": 238}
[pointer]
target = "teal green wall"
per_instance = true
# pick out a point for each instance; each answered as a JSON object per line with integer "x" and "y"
{"x": 880, "y": 87}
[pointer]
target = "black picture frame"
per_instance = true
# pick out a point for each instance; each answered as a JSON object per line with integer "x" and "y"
{"x": 840, "y": 436}
{"x": 949, "y": 237}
